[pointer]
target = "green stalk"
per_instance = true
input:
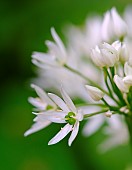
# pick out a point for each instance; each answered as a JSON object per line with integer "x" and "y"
{"x": 108, "y": 87}
{"x": 129, "y": 125}
{"x": 86, "y": 78}
{"x": 95, "y": 113}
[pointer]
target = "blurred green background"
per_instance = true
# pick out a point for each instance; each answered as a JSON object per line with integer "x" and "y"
{"x": 24, "y": 27}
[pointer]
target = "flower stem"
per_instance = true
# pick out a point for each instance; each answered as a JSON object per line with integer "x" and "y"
{"x": 95, "y": 113}
{"x": 129, "y": 125}
{"x": 86, "y": 78}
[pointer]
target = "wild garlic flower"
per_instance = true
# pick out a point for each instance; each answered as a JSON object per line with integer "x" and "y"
{"x": 67, "y": 113}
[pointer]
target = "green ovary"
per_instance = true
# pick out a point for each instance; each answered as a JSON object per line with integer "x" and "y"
{"x": 69, "y": 118}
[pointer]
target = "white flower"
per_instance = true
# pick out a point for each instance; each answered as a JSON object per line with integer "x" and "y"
{"x": 69, "y": 115}
{"x": 95, "y": 93}
{"x": 105, "y": 55}
{"x": 122, "y": 51}
{"x": 56, "y": 55}
{"x": 119, "y": 24}
{"x": 120, "y": 84}
{"x": 113, "y": 25}
{"x": 42, "y": 103}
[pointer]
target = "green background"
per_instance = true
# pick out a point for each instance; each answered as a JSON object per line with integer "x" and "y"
{"x": 24, "y": 26}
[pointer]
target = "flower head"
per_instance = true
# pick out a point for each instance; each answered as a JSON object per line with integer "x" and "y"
{"x": 105, "y": 55}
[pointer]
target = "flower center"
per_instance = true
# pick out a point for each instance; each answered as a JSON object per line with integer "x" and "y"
{"x": 70, "y": 118}
{"x": 49, "y": 107}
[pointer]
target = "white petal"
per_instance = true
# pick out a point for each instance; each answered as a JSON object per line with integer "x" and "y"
{"x": 58, "y": 41}
{"x": 41, "y": 93}
{"x": 44, "y": 58}
{"x": 61, "y": 134}
{"x": 107, "y": 29}
{"x": 120, "y": 84}
{"x": 95, "y": 93}
{"x": 74, "y": 133}
{"x": 59, "y": 102}
{"x": 36, "y": 127}
{"x": 128, "y": 80}
{"x": 127, "y": 69}
{"x": 68, "y": 101}
{"x": 93, "y": 125}
{"x": 56, "y": 117}
{"x": 37, "y": 103}
{"x": 120, "y": 26}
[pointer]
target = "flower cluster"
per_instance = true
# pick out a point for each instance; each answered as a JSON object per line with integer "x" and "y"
{"x": 95, "y": 66}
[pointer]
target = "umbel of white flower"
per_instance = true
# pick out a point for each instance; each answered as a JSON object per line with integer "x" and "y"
{"x": 110, "y": 63}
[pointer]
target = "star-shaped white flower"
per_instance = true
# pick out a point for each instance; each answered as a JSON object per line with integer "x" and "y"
{"x": 68, "y": 114}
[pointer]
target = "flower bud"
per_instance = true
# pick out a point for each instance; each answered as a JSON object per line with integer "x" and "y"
{"x": 108, "y": 114}
{"x": 120, "y": 26}
{"x": 120, "y": 84}
{"x": 113, "y": 25}
{"x": 123, "y": 55}
{"x": 105, "y": 55}
{"x": 95, "y": 93}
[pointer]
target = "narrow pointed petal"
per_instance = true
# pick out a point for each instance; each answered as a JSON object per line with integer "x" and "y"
{"x": 56, "y": 117}
{"x": 37, "y": 103}
{"x": 44, "y": 58}
{"x": 58, "y": 41}
{"x": 36, "y": 127}
{"x": 59, "y": 102}
{"x": 61, "y": 134}
{"x": 74, "y": 133}
{"x": 43, "y": 95}
{"x": 68, "y": 101}
{"x": 107, "y": 30}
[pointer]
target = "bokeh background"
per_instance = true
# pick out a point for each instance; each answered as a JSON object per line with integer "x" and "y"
{"x": 24, "y": 26}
